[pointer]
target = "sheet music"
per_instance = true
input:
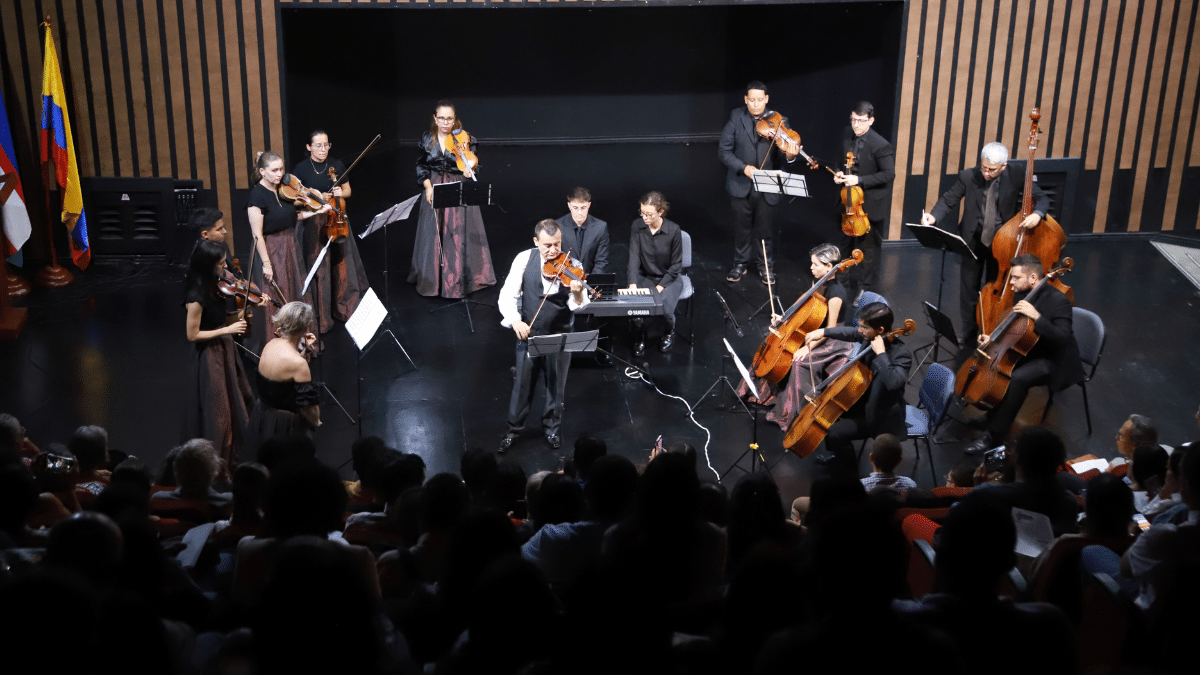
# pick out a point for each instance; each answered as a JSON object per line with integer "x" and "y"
{"x": 1034, "y": 533}
{"x": 316, "y": 265}
{"x": 740, "y": 366}
{"x": 397, "y": 212}
{"x": 365, "y": 320}
{"x": 194, "y": 539}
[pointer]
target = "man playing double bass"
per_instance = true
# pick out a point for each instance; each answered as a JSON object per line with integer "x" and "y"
{"x": 992, "y": 196}
{"x": 881, "y": 410}
{"x": 532, "y": 304}
{"x": 1053, "y": 361}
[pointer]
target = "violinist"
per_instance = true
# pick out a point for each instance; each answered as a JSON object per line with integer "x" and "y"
{"x": 451, "y": 257}
{"x": 288, "y": 401}
{"x": 533, "y": 304}
{"x": 586, "y": 237}
{"x": 1053, "y": 361}
{"x": 875, "y": 164}
{"x": 219, "y": 395}
{"x": 656, "y": 263}
{"x": 208, "y": 224}
{"x": 743, "y": 151}
{"x": 341, "y": 281}
{"x": 273, "y": 224}
{"x": 881, "y": 410}
{"x": 991, "y": 195}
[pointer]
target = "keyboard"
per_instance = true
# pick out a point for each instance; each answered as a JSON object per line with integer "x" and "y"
{"x": 625, "y": 305}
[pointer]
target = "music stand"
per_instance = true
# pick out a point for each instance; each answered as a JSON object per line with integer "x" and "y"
{"x": 729, "y": 320}
{"x": 756, "y": 457}
{"x": 939, "y": 239}
{"x": 780, "y": 183}
{"x": 461, "y": 193}
{"x": 942, "y": 328}
{"x": 396, "y": 213}
{"x": 363, "y": 327}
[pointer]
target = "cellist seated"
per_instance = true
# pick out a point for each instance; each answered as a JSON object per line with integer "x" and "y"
{"x": 881, "y": 409}
{"x": 1053, "y": 361}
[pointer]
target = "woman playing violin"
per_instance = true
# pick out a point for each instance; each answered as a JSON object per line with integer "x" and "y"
{"x": 219, "y": 394}
{"x": 341, "y": 281}
{"x": 451, "y": 257}
{"x": 273, "y": 224}
{"x": 287, "y": 398}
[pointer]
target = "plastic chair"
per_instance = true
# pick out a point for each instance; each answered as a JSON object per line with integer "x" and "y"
{"x": 689, "y": 289}
{"x": 1090, "y": 335}
{"x": 867, "y": 298}
{"x": 924, "y": 419}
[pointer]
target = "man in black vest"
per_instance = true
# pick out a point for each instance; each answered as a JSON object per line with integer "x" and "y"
{"x": 875, "y": 169}
{"x": 1053, "y": 361}
{"x": 534, "y": 305}
{"x": 743, "y": 151}
{"x": 585, "y": 237}
{"x": 991, "y": 196}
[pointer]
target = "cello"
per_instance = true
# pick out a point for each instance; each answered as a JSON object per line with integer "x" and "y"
{"x": 834, "y": 396}
{"x": 1044, "y": 241}
{"x": 983, "y": 378}
{"x": 774, "y": 357}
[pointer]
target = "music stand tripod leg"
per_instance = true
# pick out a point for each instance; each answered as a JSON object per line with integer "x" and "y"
{"x": 336, "y": 402}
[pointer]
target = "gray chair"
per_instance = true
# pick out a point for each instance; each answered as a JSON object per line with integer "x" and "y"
{"x": 689, "y": 289}
{"x": 924, "y": 419}
{"x": 1090, "y": 336}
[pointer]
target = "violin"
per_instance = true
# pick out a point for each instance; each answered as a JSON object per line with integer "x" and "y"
{"x": 854, "y": 219}
{"x": 1045, "y": 241}
{"x": 560, "y": 268}
{"x": 458, "y": 143}
{"x": 983, "y": 378}
{"x": 774, "y": 127}
{"x": 246, "y": 295}
{"x": 834, "y": 396}
{"x": 337, "y": 226}
{"x": 773, "y": 360}
{"x": 294, "y": 191}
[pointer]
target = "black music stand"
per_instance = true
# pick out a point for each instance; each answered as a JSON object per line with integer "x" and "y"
{"x": 396, "y": 213}
{"x": 942, "y": 328}
{"x": 461, "y": 193}
{"x": 757, "y": 459}
{"x": 729, "y": 320}
{"x": 941, "y": 240}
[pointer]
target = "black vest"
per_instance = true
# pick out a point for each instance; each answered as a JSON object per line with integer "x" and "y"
{"x": 554, "y": 316}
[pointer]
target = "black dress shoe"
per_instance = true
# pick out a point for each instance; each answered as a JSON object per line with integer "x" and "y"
{"x": 767, "y": 277}
{"x": 736, "y": 273}
{"x": 667, "y": 342}
{"x": 506, "y": 442}
{"x": 824, "y": 460}
{"x": 639, "y": 347}
{"x": 603, "y": 359}
{"x": 553, "y": 441}
{"x": 981, "y": 445}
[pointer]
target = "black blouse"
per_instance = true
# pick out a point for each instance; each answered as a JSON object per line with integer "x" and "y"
{"x": 212, "y": 308}
{"x": 834, "y": 289}
{"x": 288, "y": 395}
{"x": 435, "y": 159}
{"x": 278, "y": 214}
{"x": 315, "y": 175}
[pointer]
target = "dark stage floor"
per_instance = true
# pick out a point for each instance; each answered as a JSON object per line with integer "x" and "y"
{"x": 109, "y": 350}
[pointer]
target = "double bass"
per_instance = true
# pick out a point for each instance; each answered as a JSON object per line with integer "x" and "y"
{"x": 1044, "y": 241}
{"x": 834, "y": 396}
{"x": 774, "y": 357}
{"x": 984, "y": 377}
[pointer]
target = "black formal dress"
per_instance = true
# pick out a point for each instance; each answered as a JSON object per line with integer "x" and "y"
{"x": 875, "y": 166}
{"x": 741, "y": 146}
{"x": 971, "y": 189}
{"x": 219, "y": 394}
{"x": 341, "y": 281}
{"x": 277, "y": 411}
{"x": 1053, "y": 361}
{"x": 881, "y": 410}
{"x": 657, "y": 260}
{"x": 451, "y": 257}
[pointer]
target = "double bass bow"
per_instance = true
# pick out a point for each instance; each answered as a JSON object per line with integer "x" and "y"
{"x": 774, "y": 357}
{"x": 984, "y": 377}
{"x": 1044, "y": 241}
{"x": 833, "y": 397}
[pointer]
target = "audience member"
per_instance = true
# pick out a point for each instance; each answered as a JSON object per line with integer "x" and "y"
{"x": 507, "y": 491}
{"x": 1147, "y": 472}
{"x": 13, "y": 440}
{"x": 196, "y": 468}
{"x": 1167, "y": 505}
{"x": 587, "y": 450}
{"x": 756, "y": 518}
{"x": 18, "y": 498}
{"x": 1039, "y": 454}
{"x": 1135, "y": 431}
{"x": 477, "y": 468}
{"x": 249, "y": 492}
{"x": 962, "y": 475}
{"x": 885, "y": 456}
{"x": 368, "y": 455}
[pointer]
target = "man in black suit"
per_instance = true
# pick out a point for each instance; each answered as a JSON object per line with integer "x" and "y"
{"x": 1053, "y": 361}
{"x": 586, "y": 238}
{"x": 875, "y": 169}
{"x": 992, "y": 196}
{"x": 882, "y": 410}
{"x": 743, "y": 150}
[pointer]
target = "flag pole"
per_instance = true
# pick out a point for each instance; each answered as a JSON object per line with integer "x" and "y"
{"x": 52, "y": 275}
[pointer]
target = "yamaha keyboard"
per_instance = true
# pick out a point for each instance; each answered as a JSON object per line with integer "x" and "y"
{"x": 624, "y": 303}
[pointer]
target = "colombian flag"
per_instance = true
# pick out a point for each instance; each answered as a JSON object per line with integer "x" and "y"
{"x": 16, "y": 218}
{"x": 58, "y": 146}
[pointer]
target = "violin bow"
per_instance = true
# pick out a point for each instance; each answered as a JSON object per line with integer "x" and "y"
{"x": 355, "y": 162}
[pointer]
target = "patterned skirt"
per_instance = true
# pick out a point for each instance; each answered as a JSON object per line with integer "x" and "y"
{"x": 289, "y": 268}
{"x": 451, "y": 257}
{"x": 220, "y": 398}
{"x": 788, "y": 397}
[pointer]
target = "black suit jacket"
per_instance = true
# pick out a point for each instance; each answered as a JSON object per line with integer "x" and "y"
{"x": 970, "y": 190}
{"x": 594, "y": 251}
{"x": 876, "y": 169}
{"x": 741, "y": 146}
{"x": 889, "y": 375}
{"x": 1056, "y": 337}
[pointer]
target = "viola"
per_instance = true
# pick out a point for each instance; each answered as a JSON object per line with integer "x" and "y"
{"x": 855, "y": 222}
{"x": 312, "y": 199}
{"x": 560, "y": 268}
{"x": 458, "y": 143}
{"x": 337, "y": 226}
{"x": 983, "y": 378}
{"x": 834, "y": 396}
{"x": 773, "y": 360}
{"x": 1045, "y": 241}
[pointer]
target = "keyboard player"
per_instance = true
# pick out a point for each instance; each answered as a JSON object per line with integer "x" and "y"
{"x": 656, "y": 263}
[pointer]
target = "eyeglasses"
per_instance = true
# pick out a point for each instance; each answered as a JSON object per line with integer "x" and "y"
{"x": 648, "y": 216}
{"x": 991, "y": 170}
{"x": 859, "y": 120}
{"x": 443, "y": 119}
{"x": 322, "y": 146}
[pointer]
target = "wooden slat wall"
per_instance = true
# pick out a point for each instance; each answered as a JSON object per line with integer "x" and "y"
{"x": 1115, "y": 80}
{"x": 193, "y": 88}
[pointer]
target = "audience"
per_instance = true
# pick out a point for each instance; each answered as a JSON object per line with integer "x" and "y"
{"x": 885, "y": 457}
{"x": 1038, "y": 456}
{"x": 196, "y": 468}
